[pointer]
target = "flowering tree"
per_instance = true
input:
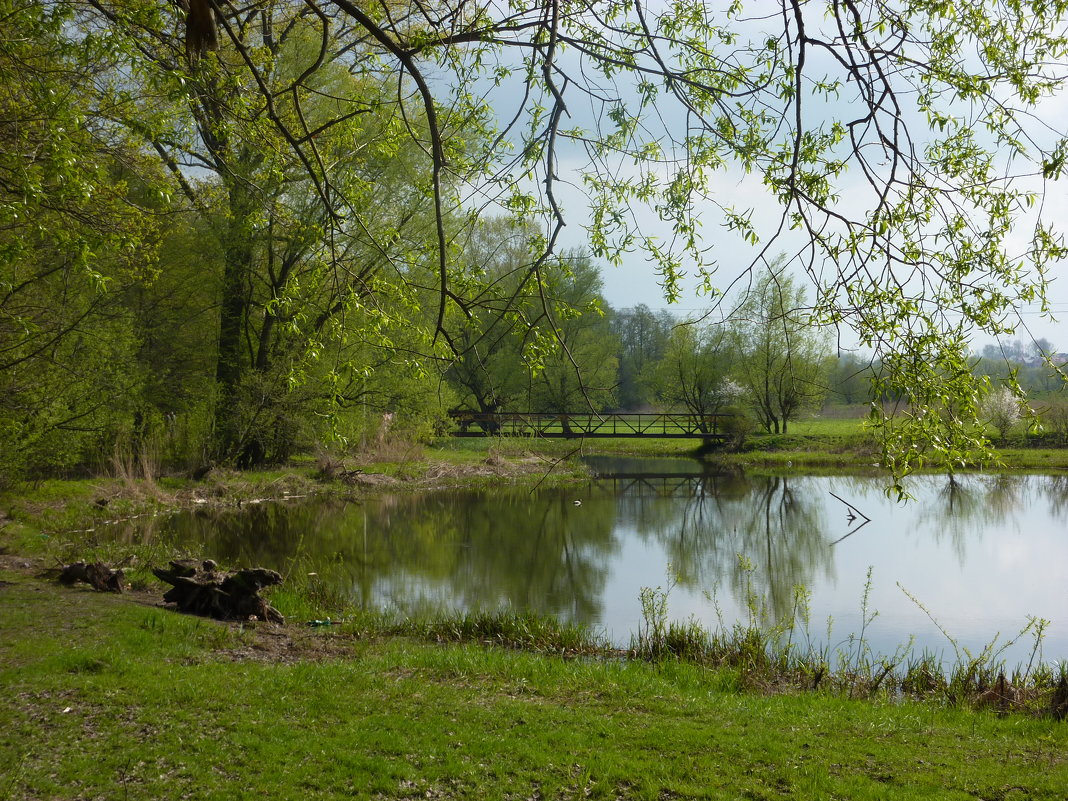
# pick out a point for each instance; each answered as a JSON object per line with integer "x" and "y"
{"x": 1001, "y": 408}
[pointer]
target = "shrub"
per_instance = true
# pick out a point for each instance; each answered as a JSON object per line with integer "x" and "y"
{"x": 737, "y": 425}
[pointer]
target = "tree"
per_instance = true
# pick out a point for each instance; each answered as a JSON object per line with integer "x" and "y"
{"x": 314, "y": 281}
{"x": 578, "y": 369}
{"x": 1033, "y": 367}
{"x": 537, "y": 339}
{"x": 643, "y": 336}
{"x": 489, "y": 369}
{"x": 694, "y": 372}
{"x": 74, "y": 240}
{"x": 780, "y": 355}
{"x": 849, "y": 380}
{"x": 1002, "y": 409}
{"x": 900, "y": 144}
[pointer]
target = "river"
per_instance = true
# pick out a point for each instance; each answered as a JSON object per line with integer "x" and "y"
{"x": 966, "y": 561}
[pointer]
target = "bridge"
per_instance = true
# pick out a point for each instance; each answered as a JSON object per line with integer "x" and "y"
{"x": 568, "y": 425}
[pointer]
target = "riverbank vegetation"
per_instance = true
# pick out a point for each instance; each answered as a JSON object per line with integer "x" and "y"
{"x": 774, "y": 649}
{"x": 125, "y": 488}
{"x": 479, "y": 688}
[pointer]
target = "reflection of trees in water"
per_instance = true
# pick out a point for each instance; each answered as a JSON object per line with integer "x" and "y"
{"x": 461, "y": 549}
{"x": 140, "y": 530}
{"x": 704, "y": 530}
{"x": 282, "y": 536}
{"x": 962, "y": 507}
{"x": 1055, "y": 490}
{"x": 541, "y": 552}
{"x": 531, "y": 552}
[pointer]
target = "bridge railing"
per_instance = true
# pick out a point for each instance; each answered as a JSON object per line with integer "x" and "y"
{"x": 584, "y": 424}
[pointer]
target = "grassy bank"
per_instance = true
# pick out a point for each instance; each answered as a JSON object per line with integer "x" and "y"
{"x": 114, "y": 697}
{"x": 820, "y": 444}
{"x": 108, "y": 698}
{"x": 812, "y": 445}
{"x": 31, "y": 513}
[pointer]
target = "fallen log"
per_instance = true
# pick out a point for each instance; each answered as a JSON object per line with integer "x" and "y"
{"x": 98, "y": 575}
{"x": 202, "y": 589}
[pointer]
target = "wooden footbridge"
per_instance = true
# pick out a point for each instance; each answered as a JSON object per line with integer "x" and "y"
{"x": 669, "y": 425}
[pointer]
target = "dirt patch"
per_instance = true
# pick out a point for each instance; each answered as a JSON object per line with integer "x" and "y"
{"x": 226, "y": 486}
{"x": 358, "y": 478}
{"x": 286, "y": 644}
{"x": 493, "y": 466}
{"x": 21, "y": 564}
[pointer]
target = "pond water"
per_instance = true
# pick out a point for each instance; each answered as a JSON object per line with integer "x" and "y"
{"x": 979, "y": 555}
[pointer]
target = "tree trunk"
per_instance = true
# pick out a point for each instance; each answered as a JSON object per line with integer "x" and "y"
{"x": 230, "y": 438}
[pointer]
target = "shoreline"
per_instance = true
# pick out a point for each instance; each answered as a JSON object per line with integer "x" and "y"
{"x": 61, "y": 520}
{"x": 56, "y": 506}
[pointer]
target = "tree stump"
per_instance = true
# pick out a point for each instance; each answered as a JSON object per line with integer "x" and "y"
{"x": 98, "y": 575}
{"x": 202, "y": 589}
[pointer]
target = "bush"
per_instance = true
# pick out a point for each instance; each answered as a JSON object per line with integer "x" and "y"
{"x": 1055, "y": 418}
{"x": 737, "y": 426}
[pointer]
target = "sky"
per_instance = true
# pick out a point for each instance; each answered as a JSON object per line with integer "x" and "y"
{"x": 635, "y": 282}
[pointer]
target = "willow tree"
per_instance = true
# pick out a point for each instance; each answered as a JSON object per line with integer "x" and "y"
{"x": 72, "y": 241}
{"x": 694, "y": 372}
{"x": 900, "y": 148}
{"x": 580, "y": 368}
{"x": 494, "y": 341}
{"x": 781, "y": 359}
{"x": 529, "y": 345}
{"x": 286, "y": 141}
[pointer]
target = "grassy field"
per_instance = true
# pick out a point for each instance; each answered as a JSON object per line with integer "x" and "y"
{"x": 106, "y": 697}
{"x": 115, "y": 698}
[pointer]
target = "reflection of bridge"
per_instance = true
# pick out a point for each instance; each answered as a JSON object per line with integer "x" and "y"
{"x": 659, "y": 484}
{"x": 568, "y": 425}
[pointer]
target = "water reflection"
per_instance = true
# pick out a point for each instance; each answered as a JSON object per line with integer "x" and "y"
{"x": 480, "y": 550}
{"x": 703, "y": 524}
{"x": 981, "y": 551}
{"x": 961, "y": 506}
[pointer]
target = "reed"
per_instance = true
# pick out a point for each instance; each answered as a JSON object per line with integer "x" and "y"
{"x": 784, "y": 655}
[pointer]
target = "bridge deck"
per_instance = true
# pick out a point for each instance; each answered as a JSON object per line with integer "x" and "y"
{"x": 574, "y": 425}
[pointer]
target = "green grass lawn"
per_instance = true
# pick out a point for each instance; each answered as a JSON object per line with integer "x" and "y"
{"x": 108, "y": 698}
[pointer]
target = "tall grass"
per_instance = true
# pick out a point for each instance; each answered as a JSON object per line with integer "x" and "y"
{"x": 312, "y": 597}
{"x": 784, "y": 654}
{"x": 529, "y": 632}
